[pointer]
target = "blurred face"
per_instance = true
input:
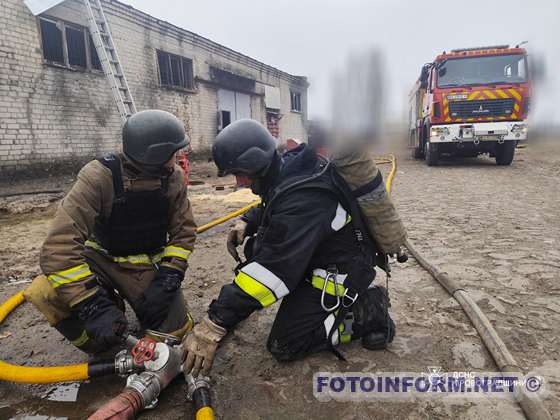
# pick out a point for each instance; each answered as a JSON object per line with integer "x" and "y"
{"x": 243, "y": 180}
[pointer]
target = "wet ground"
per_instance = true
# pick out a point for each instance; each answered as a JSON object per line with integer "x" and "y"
{"x": 496, "y": 230}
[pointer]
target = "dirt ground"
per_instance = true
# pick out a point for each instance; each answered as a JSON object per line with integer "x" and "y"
{"x": 496, "y": 230}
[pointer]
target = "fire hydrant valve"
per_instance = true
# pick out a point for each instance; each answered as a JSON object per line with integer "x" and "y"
{"x": 162, "y": 351}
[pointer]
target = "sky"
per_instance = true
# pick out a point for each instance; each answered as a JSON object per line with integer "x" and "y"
{"x": 313, "y": 38}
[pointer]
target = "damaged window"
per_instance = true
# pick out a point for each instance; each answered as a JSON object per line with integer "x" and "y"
{"x": 175, "y": 71}
{"x": 295, "y": 99}
{"x": 95, "y": 62}
{"x": 68, "y": 45}
{"x": 52, "y": 41}
{"x": 76, "y": 47}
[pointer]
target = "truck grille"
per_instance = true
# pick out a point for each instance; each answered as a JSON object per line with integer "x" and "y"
{"x": 481, "y": 109}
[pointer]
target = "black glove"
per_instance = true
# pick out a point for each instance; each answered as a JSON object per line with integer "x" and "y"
{"x": 103, "y": 321}
{"x": 153, "y": 306}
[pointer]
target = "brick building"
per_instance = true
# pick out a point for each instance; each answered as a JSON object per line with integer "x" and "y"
{"x": 56, "y": 106}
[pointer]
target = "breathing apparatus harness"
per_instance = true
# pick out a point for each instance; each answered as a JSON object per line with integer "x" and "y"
{"x": 333, "y": 183}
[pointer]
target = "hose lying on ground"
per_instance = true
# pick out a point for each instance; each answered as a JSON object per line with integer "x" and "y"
{"x": 46, "y": 375}
{"x": 81, "y": 372}
{"x": 533, "y": 408}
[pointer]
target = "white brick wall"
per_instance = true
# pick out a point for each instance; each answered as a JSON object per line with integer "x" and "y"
{"x": 52, "y": 115}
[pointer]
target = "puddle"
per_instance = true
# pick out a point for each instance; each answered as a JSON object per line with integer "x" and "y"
{"x": 63, "y": 392}
{"x": 62, "y": 401}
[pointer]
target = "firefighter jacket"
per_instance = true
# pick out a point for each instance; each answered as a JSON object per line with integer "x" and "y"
{"x": 90, "y": 200}
{"x": 309, "y": 230}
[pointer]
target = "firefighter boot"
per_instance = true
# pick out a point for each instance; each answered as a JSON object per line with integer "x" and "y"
{"x": 372, "y": 321}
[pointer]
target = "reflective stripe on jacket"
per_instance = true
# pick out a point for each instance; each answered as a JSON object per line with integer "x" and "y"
{"x": 308, "y": 230}
{"x": 149, "y": 259}
{"x": 92, "y": 195}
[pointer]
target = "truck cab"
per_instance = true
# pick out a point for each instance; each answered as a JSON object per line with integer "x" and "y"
{"x": 470, "y": 102}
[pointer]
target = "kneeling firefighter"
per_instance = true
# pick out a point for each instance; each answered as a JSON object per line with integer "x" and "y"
{"x": 124, "y": 230}
{"x": 307, "y": 247}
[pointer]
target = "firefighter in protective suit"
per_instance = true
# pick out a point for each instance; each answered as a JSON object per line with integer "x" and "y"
{"x": 124, "y": 230}
{"x": 302, "y": 250}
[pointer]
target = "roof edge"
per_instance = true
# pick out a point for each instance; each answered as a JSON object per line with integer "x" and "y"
{"x": 212, "y": 46}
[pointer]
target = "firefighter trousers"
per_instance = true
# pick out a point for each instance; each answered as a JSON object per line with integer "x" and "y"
{"x": 302, "y": 326}
{"x": 129, "y": 282}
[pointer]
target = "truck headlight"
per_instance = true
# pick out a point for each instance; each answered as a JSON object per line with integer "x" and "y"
{"x": 439, "y": 131}
{"x": 519, "y": 128}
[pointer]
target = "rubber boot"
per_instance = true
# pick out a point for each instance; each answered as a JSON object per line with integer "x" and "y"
{"x": 372, "y": 321}
{"x": 379, "y": 340}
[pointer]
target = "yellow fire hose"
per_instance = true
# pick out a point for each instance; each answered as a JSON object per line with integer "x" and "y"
{"x": 37, "y": 375}
{"x": 81, "y": 372}
{"x": 533, "y": 408}
{"x": 380, "y": 161}
{"x": 227, "y": 217}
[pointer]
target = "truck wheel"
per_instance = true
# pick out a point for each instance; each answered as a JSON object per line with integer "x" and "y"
{"x": 504, "y": 153}
{"x": 431, "y": 153}
{"x": 416, "y": 150}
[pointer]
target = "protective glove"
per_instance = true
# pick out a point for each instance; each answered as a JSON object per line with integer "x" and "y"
{"x": 199, "y": 347}
{"x": 103, "y": 321}
{"x": 235, "y": 238}
{"x": 153, "y": 306}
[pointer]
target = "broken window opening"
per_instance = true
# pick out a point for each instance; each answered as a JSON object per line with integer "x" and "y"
{"x": 52, "y": 42}
{"x": 164, "y": 68}
{"x": 295, "y": 99}
{"x": 226, "y": 119}
{"x": 176, "y": 76}
{"x": 95, "y": 61}
{"x": 76, "y": 43}
{"x": 175, "y": 71}
{"x": 67, "y": 44}
{"x": 188, "y": 76}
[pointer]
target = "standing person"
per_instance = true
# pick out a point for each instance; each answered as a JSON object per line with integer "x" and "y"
{"x": 124, "y": 230}
{"x": 302, "y": 249}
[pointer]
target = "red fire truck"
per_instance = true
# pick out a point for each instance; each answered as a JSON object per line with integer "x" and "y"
{"x": 469, "y": 102}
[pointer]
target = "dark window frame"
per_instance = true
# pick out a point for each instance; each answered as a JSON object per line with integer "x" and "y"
{"x": 89, "y": 48}
{"x": 295, "y": 101}
{"x": 168, "y": 77}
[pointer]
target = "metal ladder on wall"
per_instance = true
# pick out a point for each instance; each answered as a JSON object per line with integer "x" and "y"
{"x": 107, "y": 53}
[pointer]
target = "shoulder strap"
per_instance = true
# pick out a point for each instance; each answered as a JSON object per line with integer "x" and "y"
{"x": 292, "y": 185}
{"x": 113, "y": 162}
{"x": 342, "y": 191}
{"x": 369, "y": 187}
{"x": 164, "y": 184}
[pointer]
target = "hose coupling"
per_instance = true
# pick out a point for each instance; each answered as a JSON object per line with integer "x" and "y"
{"x": 124, "y": 364}
{"x": 195, "y": 384}
{"x": 147, "y": 384}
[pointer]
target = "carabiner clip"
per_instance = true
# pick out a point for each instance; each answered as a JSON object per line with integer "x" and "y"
{"x": 324, "y": 292}
{"x": 351, "y": 299}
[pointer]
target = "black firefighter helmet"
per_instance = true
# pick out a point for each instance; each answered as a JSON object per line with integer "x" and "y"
{"x": 244, "y": 147}
{"x": 151, "y": 137}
